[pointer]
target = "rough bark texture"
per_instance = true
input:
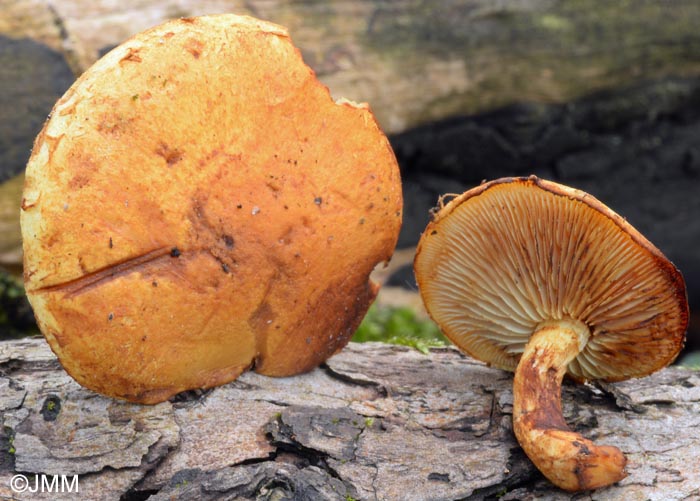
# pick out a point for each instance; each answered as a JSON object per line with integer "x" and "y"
{"x": 420, "y": 60}
{"x": 376, "y": 422}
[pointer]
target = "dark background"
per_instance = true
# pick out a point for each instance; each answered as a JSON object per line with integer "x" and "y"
{"x": 636, "y": 149}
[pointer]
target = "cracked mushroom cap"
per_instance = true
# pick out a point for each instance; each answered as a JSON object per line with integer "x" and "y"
{"x": 198, "y": 204}
{"x": 506, "y": 256}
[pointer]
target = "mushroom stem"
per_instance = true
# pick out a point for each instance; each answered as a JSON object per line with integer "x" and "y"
{"x": 566, "y": 458}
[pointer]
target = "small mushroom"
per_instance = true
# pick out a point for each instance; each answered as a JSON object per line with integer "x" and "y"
{"x": 172, "y": 237}
{"x": 541, "y": 279}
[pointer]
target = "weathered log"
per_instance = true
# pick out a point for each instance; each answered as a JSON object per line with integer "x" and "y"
{"x": 375, "y": 422}
{"x": 419, "y": 61}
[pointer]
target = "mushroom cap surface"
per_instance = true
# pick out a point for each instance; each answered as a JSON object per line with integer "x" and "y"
{"x": 198, "y": 204}
{"x": 506, "y": 256}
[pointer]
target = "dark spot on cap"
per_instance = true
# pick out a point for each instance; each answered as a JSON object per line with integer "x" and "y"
{"x": 170, "y": 155}
{"x": 194, "y": 47}
{"x": 582, "y": 448}
{"x": 175, "y": 252}
{"x": 318, "y": 200}
{"x": 110, "y": 317}
{"x": 228, "y": 241}
{"x": 132, "y": 55}
{"x": 111, "y": 244}
{"x": 225, "y": 267}
{"x": 27, "y": 205}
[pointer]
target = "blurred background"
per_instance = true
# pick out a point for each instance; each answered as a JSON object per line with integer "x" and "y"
{"x": 603, "y": 96}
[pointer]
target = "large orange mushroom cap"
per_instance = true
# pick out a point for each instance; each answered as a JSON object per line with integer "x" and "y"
{"x": 503, "y": 258}
{"x": 198, "y": 204}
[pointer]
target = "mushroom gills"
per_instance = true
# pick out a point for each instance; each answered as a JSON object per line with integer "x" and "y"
{"x": 565, "y": 457}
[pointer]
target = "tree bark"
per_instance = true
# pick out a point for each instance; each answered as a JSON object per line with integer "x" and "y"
{"x": 416, "y": 61}
{"x": 376, "y": 422}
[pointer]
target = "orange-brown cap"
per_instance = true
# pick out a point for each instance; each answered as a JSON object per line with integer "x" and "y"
{"x": 502, "y": 258}
{"x": 196, "y": 204}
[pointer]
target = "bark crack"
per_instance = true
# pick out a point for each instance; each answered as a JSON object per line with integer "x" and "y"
{"x": 358, "y": 379}
{"x": 70, "y": 54}
{"x": 318, "y": 436}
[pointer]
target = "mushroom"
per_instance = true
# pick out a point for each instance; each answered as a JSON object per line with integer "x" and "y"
{"x": 541, "y": 279}
{"x": 197, "y": 205}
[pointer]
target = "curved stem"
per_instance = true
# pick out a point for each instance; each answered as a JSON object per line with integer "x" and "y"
{"x": 566, "y": 458}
